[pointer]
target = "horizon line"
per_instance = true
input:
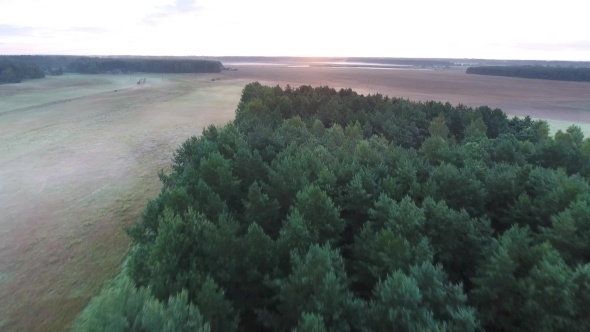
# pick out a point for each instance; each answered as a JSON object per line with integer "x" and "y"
{"x": 292, "y": 56}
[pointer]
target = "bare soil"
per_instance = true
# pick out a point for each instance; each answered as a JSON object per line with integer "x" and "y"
{"x": 567, "y": 101}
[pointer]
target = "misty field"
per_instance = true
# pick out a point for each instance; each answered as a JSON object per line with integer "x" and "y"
{"x": 78, "y": 161}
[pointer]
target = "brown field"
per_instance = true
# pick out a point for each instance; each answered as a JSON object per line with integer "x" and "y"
{"x": 568, "y": 101}
{"x": 78, "y": 161}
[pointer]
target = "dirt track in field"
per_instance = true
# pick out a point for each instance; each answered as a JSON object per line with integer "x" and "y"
{"x": 78, "y": 161}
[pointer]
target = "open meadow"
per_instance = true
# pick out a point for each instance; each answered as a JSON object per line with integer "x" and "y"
{"x": 78, "y": 160}
{"x": 77, "y": 163}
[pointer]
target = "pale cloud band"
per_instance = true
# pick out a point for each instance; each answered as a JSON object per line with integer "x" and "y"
{"x": 419, "y": 28}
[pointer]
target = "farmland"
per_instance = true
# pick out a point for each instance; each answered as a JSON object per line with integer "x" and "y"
{"x": 79, "y": 160}
{"x": 562, "y": 101}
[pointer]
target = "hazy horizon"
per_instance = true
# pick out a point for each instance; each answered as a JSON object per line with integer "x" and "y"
{"x": 456, "y": 29}
{"x": 214, "y": 57}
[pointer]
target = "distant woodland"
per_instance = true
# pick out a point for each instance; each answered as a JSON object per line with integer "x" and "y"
{"x": 538, "y": 72}
{"x": 99, "y": 65}
{"x": 325, "y": 210}
{"x": 43, "y": 61}
{"x": 16, "y": 71}
{"x": 56, "y": 65}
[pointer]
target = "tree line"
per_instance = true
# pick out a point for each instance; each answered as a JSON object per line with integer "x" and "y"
{"x": 16, "y": 71}
{"x": 43, "y": 61}
{"x": 55, "y": 72}
{"x": 325, "y": 210}
{"x": 88, "y": 65}
{"x": 578, "y": 74}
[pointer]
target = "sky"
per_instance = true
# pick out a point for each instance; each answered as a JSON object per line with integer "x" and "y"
{"x": 499, "y": 29}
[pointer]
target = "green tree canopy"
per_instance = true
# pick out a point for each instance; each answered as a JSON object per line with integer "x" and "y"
{"x": 325, "y": 210}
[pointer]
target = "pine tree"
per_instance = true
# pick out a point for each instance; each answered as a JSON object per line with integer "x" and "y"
{"x": 438, "y": 128}
{"x": 457, "y": 240}
{"x": 318, "y": 284}
{"x": 287, "y": 177}
{"x": 476, "y": 130}
{"x": 577, "y": 134}
{"x": 496, "y": 294}
{"x": 124, "y": 308}
{"x": 296, "y": 235}
{"x": 261, "y": 209}
{"x": 310, "y": 323}
{"x": 570, "y": 233}
{"x": 354, "y": 132}
{"x": 436, "y": 150}
{"x": 214, "y": 308}
{"x": 216, "y": 172}
{"x": 420, "y": 300}
{"x": 459, "y": 188}
{"x": 376, "y": 253}
{"x": 404, "y": 218}
{"x": 320, "y": 213}
{"x": 318, "y": 128}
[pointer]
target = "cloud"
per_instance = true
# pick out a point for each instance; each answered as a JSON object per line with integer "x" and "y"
{"x": 11, "y": 30}
{"x": 8, "y": 30}
{"x": 86, "y": 30}
{"x": 180, "y": 7}
{"x": 572, "y": 46}
{"x": 18, "y": 39}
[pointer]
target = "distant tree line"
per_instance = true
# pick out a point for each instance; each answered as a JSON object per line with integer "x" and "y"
{"x": 550, "y": 63}
{"x": 402, "y": 61}
{"x": 578, "y": 74}
{"x": 95, "y": 65}
{"x": 100, "y": 65}
{"x": 324, "y": 210}
{"x": 16, "y": 71}
{"x": 43, "y": 61}
{"x": 55, "y": 72}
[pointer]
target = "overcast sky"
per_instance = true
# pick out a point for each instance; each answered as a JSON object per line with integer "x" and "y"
{"x": 501, "y": 29}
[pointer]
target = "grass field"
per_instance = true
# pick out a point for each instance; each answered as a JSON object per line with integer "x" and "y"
{"x": 76, "y": 166}
{"x": 78, "y": 161}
